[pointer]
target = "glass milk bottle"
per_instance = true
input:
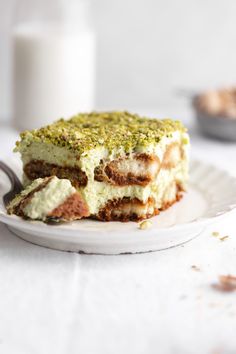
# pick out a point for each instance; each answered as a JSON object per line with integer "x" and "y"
{"x": 54, "y": 61}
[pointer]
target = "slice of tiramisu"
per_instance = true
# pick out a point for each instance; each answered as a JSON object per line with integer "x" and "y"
{"x": 49, "y": 198}
{"x": 124, "y": 167}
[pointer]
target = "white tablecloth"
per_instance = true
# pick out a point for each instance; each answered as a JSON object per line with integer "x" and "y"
{"x": 66, "y": 303}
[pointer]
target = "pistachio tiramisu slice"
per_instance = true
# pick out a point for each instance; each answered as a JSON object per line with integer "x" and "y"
{"x": 124, "y": 166}
{"x": 49, "y": 198}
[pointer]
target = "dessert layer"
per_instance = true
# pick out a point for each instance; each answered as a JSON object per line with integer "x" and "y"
{"x": 126, "y": 209}
{"x": 139, "y": 169}
{"x": 111, "y": 130}
{"x": 40, "y": 169}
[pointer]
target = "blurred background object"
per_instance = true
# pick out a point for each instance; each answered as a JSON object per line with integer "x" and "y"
{"x": 53, "y": 61}
{"x": 215, "y": 111}
{"x": 147, "y": 49}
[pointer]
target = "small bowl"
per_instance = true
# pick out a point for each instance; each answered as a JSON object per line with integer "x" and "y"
{"x": 222, "y": 128}
{"x": 216, "y": 126}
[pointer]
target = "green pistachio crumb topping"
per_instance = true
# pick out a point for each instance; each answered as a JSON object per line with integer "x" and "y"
{"x": 110, "y": 129}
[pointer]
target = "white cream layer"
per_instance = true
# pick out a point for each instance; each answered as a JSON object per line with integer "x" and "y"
{"x": 49, "y": 198}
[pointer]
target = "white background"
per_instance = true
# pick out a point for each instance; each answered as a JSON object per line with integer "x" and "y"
{"x": 148, "y": 49}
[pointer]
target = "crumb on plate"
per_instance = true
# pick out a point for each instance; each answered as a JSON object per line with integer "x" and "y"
{"x": 144, "y": 225}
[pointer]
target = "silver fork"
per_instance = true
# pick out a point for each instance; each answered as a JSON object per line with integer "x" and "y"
{"x": 16, "y": 186}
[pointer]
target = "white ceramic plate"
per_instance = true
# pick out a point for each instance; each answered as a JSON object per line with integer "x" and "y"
{"x": 211, "y": 193}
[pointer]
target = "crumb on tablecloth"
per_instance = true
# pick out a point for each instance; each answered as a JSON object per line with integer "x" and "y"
{"x": 226, "y": 283}
{"x": 224, "y": 238}
{"x": 215, "y": 233}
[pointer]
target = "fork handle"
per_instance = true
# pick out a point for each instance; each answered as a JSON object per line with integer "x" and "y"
{"x": 15, "y": 182}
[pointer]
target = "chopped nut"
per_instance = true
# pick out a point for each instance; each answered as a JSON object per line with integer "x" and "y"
{"x": 215, "y": 234}
{"x": 224, "y": 238}
{"x": 227, "y": 283}
{"x": 144, "y": 225}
